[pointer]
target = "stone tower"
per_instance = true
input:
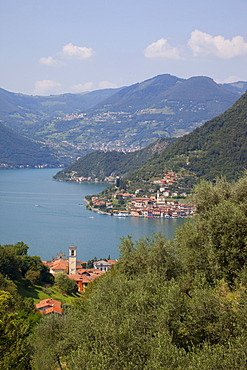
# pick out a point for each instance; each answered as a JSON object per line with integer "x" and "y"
{"x": 72, "y": 260}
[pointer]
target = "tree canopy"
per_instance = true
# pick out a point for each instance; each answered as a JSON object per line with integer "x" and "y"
{"x": 177, "y": 304}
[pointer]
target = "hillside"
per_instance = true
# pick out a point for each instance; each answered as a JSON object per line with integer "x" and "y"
{"x": 17, "y": 150}
{"x": 165, "y": 90}
{"x": 236, "y": 87}
{"x": 99, "y": 164}
{"x": 118, "y": 119}
{"x": 218, "y": 148}
{"x": 21, "y": 112}
{"x": 137, "y": 115}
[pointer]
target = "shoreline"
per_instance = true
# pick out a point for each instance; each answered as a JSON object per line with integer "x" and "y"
{"x": 130, "y": 215}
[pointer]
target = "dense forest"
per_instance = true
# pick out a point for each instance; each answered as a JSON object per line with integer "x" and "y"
{"x": 166, "y": 304}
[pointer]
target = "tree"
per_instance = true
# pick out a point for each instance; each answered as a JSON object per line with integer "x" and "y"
{"x": 215, "y": 244}
{"x": 65, "y": 284}
{"x": 9, "y": 263}
{"x": 14, "y": 331}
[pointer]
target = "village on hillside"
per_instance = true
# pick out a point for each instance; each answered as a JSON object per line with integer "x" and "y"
{"x": 164, "y": 202}
{"x": 74, "y": 269}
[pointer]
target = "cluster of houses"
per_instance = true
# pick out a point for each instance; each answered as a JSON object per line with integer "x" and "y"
{"x": 162, "y": 204}
{"x": 147, "y": 207}
{"x": 159, "y": 207}
{"x": 74, "y": 270}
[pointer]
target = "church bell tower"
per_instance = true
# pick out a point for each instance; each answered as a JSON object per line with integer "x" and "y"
{"x": 72, "y": 260}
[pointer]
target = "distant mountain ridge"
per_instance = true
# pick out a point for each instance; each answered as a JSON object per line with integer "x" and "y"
{"x": 17, "y": 109}
{"x": 137, "y": 115}
{"x": 158, "y": 91}
{"x": 118, "y": 119}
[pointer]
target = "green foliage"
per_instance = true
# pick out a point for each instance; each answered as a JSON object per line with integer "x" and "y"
{"x": 17, "y": 150}
{"x": 216, "y": 244}
{"x": 50, "y": 343}
{"x": 14, "y": 332}
{"x": 17, "y": 315}
{"x": 16, "y": 264}
{"x": 100, "y": 164}
{"x": 149, "y": 254}
{"x": 165, "y": 305}
{"x": 215, "y": 149}
{"x": 66, "y": 285}
{"x": 9, "y": 263}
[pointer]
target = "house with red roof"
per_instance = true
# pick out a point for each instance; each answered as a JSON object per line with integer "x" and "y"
{"x": 49, "y": 305}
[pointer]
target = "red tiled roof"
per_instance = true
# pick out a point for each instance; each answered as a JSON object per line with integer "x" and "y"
{"x": 112, "y": 262}
{"x": 49, "y": 305}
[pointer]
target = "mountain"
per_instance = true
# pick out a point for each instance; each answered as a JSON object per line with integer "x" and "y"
{"x": 137, "y": 115}
{"x": 218, "y": 148}
{"x": 19, "y": 111}
{"x": 236, "y": 87}
{"x": 140, "y": 95}
{"x": 99, "y": 164}
{"x": 16, "y": 151}
{"x": 163, "y": 90}
{"x": 118, "y": 119}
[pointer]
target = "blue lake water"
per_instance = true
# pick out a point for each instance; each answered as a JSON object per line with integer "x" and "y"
{"x": 50, "y": 216}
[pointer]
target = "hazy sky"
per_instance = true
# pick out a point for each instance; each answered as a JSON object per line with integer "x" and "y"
{"x": 57, "y": 46}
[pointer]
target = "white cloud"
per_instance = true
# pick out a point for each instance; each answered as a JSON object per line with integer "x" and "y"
{"x": 50, "y": 61}
{"x": 77, "y": 52}
{"x": 232, "y": 79}
{"x": 107, "y": 85}
{"x": 46, "y": 87}
{"x": 88, "y": 86}
{"x": 162, "y": 49}
{"x": 203, "y": 44}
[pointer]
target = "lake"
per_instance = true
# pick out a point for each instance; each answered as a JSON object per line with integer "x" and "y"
{"x": 50, "y": 216}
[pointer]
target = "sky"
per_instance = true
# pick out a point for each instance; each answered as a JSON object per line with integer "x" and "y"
{"x": 71, "y": 46}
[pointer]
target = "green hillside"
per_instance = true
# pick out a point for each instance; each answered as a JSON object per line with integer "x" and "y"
{"x": 17, "y": 150}
{"x": 22, "y": 112}
{"x": 218, "y": 148}
{"x": 99, "y": 164}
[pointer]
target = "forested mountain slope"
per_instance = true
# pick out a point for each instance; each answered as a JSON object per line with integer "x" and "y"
{"x": 217, "y": 148}
{"x": 17, "y": 150}
{"x": 99, "y": 164}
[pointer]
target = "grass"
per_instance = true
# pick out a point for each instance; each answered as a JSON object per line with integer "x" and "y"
{"x": 39, "y": 293}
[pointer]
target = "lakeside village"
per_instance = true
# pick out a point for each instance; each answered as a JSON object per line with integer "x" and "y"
{"x": 162, "y": 203}
{"x": 75, "y": 270}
